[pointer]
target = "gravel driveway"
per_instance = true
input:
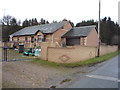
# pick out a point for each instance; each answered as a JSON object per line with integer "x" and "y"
{"x": 23, "y": 74}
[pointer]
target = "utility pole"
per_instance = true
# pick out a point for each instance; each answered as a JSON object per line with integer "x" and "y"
{"x": 98, "y": 54}
{"x": 119, "y": 23}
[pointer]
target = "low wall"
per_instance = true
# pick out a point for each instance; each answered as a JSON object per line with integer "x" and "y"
{"x": 73, "y": 54}
{"x": 69, "y": 55}
{"x": 108, "y": 49}
{"x": 44, "y": 49}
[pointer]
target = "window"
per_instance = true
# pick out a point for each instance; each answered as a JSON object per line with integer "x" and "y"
{"x": 26, "y": 38}
{"x": 44, "y": 38}
{"x": 62, "y": 27}
{"x": 32, "y": 39}
{"x": 18, "y": 39}
{"x": 12, "y": 39}
{"x": 40, "y": 38}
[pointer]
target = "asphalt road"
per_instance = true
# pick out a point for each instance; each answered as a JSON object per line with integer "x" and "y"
{"x": 104, "y": 77}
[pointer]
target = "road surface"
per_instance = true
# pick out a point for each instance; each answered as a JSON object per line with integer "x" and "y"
{"x": 104, "y": 77}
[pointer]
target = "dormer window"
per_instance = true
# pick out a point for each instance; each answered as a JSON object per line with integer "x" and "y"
{"x": 62, "y": 27}
{"x": 40, "y": 38}
{"x": 32, "y": 38}
{"x": 26, "y": 39}
{"x": 18, "y": 39}
{"x": 44, "y": 38}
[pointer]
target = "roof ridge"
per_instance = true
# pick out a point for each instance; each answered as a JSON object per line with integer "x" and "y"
{"x": 45, "y": 24}
{"x": 46, "y": 28}
{"x": 86, "y": 26}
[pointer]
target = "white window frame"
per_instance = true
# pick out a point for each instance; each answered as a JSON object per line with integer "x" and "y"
{"x": 40, "y": 38}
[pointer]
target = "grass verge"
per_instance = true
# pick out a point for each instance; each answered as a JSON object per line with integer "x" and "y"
{"x": 90, "y": 62}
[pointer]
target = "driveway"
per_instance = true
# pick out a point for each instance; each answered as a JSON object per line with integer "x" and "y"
{"x": 24, "y": 74}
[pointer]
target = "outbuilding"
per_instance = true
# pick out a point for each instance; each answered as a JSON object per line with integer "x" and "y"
{"x": 84, "y": 35}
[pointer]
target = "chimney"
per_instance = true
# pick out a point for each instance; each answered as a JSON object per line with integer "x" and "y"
{"x": 65, "y": 19}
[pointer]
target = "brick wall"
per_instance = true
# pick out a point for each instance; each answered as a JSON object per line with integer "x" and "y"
{"x": 69, "y": 55}
{"x": 92, "y": 38}
{"x": 72, "y": 53}
{"x": 44, "y": 50}
{"x": 56, "y": 36}
{"x": 108, "y": 49}
{"x": 81, "y": 40}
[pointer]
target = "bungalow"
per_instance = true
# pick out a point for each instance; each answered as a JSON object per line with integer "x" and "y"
{"x": 41, "y": 33}
{"x": 84, "y": 35}
{"x": 60, "y": 33}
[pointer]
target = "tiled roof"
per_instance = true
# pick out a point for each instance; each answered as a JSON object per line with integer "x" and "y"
{"x": 79, "y": 31}
{"x": 46, "y": 28}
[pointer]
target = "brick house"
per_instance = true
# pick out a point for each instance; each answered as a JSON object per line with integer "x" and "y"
{"x": 58, "y": 33}
{"x": 84, "y": 35}
{"x": 33, "y": 35}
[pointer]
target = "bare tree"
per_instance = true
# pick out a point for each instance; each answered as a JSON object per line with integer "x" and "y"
{"x": 13, "y": 21}
{"x": 6, "y": 20}
{"x": 19, "y": 22}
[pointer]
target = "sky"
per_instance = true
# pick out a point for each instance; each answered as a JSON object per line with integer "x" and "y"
{"x": 74, "y": 10}
{"x": 119, "y": 13}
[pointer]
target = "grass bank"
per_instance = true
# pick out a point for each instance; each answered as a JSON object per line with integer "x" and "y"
{"x": 91, "y": 61}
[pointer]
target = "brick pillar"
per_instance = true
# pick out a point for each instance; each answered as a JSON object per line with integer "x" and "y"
{"x": 44, "y": 50}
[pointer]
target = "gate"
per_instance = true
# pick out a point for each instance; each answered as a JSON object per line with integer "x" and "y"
{"x": 14, "y": 54}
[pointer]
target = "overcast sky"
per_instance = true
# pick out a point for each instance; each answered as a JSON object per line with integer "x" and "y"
{"x": 74, "y": 10}
{"x": 119, "y": 13}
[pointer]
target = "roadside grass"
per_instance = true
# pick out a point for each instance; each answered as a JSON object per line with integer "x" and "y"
{"x": 88, "y": 62}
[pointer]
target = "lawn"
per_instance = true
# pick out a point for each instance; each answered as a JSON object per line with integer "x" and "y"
{"x": 76, "y": 64}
